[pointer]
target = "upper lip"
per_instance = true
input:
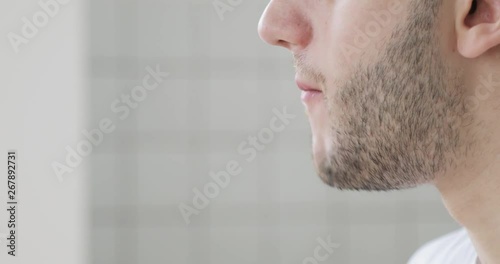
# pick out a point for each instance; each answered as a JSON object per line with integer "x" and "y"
{"x": 304, "y": 86}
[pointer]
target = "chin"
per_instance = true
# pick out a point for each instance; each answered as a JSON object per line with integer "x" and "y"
{"x": 320, "y": 159}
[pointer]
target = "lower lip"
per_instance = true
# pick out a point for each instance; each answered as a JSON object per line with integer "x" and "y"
{"x": 311, "y": 96}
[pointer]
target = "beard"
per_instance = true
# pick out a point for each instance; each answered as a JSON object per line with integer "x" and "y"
{"x": 397, "y": 122}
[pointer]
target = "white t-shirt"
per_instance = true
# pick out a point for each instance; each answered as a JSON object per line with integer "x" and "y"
{"x": 453, "y": 248}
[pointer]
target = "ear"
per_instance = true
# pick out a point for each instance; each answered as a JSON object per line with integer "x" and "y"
{"x": 477, "y": 26}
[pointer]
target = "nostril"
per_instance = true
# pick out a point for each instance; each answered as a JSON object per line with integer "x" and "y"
{"x": 282, "y": 43}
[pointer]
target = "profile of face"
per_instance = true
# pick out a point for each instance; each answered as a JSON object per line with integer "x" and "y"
{"x": 384, "y": 89}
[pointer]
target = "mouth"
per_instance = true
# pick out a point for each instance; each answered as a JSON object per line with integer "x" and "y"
{"x": 310, "y": 93}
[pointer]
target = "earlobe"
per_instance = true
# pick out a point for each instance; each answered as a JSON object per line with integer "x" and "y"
{"x": 477, "y": 40}
{"x": 478, "y": 26}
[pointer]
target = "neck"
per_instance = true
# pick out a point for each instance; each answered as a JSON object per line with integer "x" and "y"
{"x": 472, "y": 197}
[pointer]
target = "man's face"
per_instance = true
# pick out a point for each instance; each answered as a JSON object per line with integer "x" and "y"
{"x": 388, "y": 108}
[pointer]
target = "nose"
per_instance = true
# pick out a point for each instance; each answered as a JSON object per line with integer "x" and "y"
{"x": 284, "y": 23}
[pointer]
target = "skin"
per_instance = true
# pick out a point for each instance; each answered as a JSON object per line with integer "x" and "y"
{"x": 410, "y": 96}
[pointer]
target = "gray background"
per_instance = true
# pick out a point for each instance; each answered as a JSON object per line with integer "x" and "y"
{"x": 223, "y": 86}
{"x": 43, "y": 108}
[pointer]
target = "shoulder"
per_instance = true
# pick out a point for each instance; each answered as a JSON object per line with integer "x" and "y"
{"x": 453, "y": 248}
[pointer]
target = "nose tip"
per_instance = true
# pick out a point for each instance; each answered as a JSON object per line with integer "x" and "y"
{"x": 270, "y": 35}
{"x": 282, "y": 25}
{"x": 265, "y": 28}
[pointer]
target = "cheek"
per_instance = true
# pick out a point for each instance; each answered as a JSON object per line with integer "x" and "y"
{"x": 357, "y": 31}
{"x": 342, "y": 41}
